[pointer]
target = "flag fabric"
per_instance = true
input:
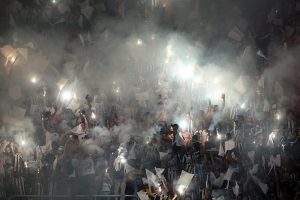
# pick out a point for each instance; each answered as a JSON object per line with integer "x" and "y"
{"x": 229, "y": 145}
{"x": 185, "y": 178}
{"x": 236, "y": 189}
{"x": 152, "y": 178}
{"x": 254, "y": 169}
{"x": 236, "y": 34}
{"x": 251, "y": 156}
{"x": 229, "y": 173}
{"x": 221, "y": 150}
{"x": 162, "y": 155}
{"x": 263, "y": 186}
{"x": 159, "y": 172}
{"x": 218, "y": 182}
{"x": 142, "y": 195}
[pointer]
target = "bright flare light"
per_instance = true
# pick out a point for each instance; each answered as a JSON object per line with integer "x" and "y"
{"x": 139, "y": 42}
{"x": 219, "y": 136}
{"x": 183, "y": 124}
{"x": 216, "y": 80}
{"x": 54, "y": 1}
{"x": 12, "y": 59}
{"x": 243, "y": 106}
{"x": 23, "y": 143}
{"x": 123, "y": 160}
{"x": 181, "y": 189}
{"x": 273, "y": 135}
{"x": 33, "y": 79}
{"x": 93, "y": 116}
{"x": 66, "y": 96}
{"x": 169, "y": 51}
{"x": 186, "y": 72}
{"x": 278, "y": 116}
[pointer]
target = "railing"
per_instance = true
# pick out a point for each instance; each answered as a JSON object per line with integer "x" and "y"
{"x": 94, "y": 197}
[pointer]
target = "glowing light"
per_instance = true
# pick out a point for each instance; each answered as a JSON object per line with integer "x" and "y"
{"x": 12, "y": 59}
{"x": 153, "y": 37}
{"x": 216, "y": 80}
{"x": 139, "y": 42}
{"x": 66, "y": 96}
{"x": 183, "y": 124}
{"x": 181, "y": 189}
{"x": 186, "y": 72}
{"x": 197, "y": 80}
{"x": 54, "y": 1}
{"x": 123, "y": 160}
{"x": 278, "y": 116}
{"x": 243, "y": 106}
{"x": 26, "y": 164}
{"x": 169, "y": 51}
{"x": 219, "y": 136}
{"x": 273, "y": 135}
{"x": 33, "y": 79}
{"x": 93, "y": 116}
{"x": 23, "y": 142}
{"x": 254, "y": 142}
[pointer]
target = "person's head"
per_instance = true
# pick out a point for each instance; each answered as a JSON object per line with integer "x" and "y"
{"x": 175, "y": 127}
{"x": 7, "y": 149}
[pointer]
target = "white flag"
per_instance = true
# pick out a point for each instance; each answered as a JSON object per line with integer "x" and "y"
{"x": 162, "y": 155}
{"x": 159, "y": 172}
{"x": 254, "y": 169}
{"x": 152, "y": 178}
{"x": 142, "y": 195}
{"x": 263, "y": 186}
{"x": 221, "y": 150}
{"x": 236, "y": 189}
{"x": 251, "y": 156}
{"x": 229, "y": 145}
{"x": 185, "y": 179}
